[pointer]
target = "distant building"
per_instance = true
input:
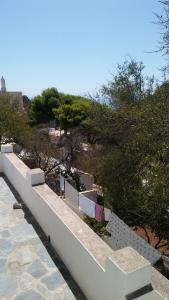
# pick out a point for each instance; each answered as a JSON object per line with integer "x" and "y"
{"x": 13, "y": 97}
{"x": 3, "y": 85}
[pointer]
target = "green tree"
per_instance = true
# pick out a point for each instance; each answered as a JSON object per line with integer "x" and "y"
{"x": 42, "y": 106}
{"x": 128, "y": 85}
{"x": 163, "y": 21}
{"x": 130, "y": 155}
{"x": 70, "y": 115}
{"x": 13, "y": 123}
{"x": 52, "y": 105}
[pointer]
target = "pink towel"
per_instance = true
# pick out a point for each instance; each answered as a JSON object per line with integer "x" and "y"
{"x": 99, "y": 212}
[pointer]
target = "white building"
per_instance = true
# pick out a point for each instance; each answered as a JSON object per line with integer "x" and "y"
{"x": 13, "y": 97}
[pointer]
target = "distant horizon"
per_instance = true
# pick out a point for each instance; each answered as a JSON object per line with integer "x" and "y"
{"x": 75, "y": 46}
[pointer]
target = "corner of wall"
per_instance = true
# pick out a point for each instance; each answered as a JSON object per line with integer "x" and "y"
{"x": 132, "y": 271}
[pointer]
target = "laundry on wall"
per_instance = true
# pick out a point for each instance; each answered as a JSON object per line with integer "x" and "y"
{"x": 99, "y": 212}
{"x": 87, "y": 206}
{"x": 71, "y": 194}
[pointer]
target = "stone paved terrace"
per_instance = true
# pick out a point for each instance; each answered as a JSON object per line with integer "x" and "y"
{"x": 27, "y": 271}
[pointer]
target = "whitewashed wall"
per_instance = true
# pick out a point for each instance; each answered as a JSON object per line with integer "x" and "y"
{"x": 87, "y": 206}
{"x": 122, "y": 236}
{"x": 71, "y": 194}
{"x": 92, "y": 195}
{"x": 86, "y": 179}
{"x": 100, "y": 272}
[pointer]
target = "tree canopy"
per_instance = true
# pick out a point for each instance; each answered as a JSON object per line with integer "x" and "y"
{"x": 163, "y": 21}
{"x": 130, "y": 153}
{"x": 42, "y": 105}
{"x": 128, "y": 142}
{"x": 13, "y": 124}
{"x": 128, "y": 85}
{"x": 70, "y": 115}
{"x": 67, "y": 110}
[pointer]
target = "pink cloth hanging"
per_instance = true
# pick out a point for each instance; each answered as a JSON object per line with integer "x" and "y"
{"x": 99, "y": 212}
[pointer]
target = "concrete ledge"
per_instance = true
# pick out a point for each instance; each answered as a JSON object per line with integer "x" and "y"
{"x": 132, "y": 270}
{"x": 7, "y": 148}
{"x": 35, "y": 177}
{"x": 160, "y": 283}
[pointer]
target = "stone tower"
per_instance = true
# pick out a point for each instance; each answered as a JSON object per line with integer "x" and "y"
{"x": 3, "y": 85}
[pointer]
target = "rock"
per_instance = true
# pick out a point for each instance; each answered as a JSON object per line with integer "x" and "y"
{"x": 53, "y": 281}
{"x": 17, "y": 205}
{"x": 29, "y": 295}
{"x": 37, "y": 269}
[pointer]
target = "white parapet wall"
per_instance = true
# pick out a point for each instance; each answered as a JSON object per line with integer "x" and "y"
{"x": 100, "y": 272}
{"x": 7, "y": 148}
{"x": 87, "y": 180}
{"x": 92, "y": 195}
{"x": 71, "y": 194}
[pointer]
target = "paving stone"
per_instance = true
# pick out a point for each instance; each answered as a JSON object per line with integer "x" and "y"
{"x": 58, "y": 295}
{"x": 23, "y": 230}
{"x": 8, "y": 285}
{"x": 15, "y": 268}
{"x": 53, "y": 281}
{"x": 20, "y": 214}
{"x": 37, "y": 269}
{"x": 2, "y": 254}
{"x": 68, "y": 295}
{"x": 44, "y": 256}
{"x": 29, "y": 295}
{"x": 44, "y": 291}
{"x": 5, "y": 233}
{"x": 6, "y": 246}
{"x": 36, "y": 242}
{"x": 22, "y": 254}
{"x": 6, "y": 199}
{"x": 2, "y": 264}
{"x": 26, "y": 282}
{"x": 10, "y": 220}
{"x": 27, "y": 271}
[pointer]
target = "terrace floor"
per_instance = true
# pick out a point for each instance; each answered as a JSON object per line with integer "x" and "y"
{"x": 27, "y": 271}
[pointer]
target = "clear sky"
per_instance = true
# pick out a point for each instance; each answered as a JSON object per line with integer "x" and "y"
{"x": 74, "y": 45}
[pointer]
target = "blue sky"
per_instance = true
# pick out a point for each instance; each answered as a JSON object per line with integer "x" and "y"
{"x": 74, "y": 45}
